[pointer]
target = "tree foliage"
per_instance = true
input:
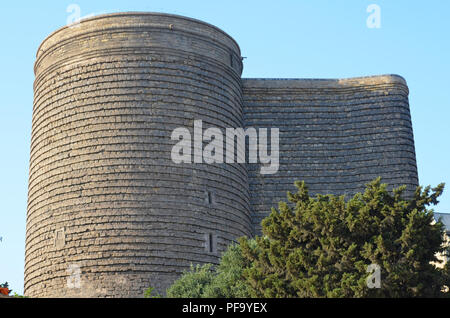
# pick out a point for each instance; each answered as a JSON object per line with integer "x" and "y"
{"x": 222, "y": 281}
{"x": 322, "y": 246}
{"x": 151, "y": 293}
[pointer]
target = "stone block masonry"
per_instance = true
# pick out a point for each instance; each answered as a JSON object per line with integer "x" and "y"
{"x": 337, "y": 135}
{"x": 109, "y": 212}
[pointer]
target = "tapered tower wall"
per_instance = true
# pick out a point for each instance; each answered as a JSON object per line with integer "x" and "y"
{"x": 105, "y": 199}
{"x": 335, "y": 134}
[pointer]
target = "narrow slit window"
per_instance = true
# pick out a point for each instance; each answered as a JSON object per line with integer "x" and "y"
{"x": 209, "y": 197}
{"x": 60, "y": 238}
{"x": 210, "y": 243}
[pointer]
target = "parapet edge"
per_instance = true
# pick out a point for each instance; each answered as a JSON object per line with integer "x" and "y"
{"x": 313, "y": 83}
{"x": 58, "y": 31}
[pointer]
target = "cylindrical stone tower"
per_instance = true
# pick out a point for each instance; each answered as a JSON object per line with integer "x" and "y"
{"x": 109, "y": 213}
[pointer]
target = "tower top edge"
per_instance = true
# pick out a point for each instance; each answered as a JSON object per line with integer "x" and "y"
{"x": 169, "y": 17}
{"x": 294, "y": 83}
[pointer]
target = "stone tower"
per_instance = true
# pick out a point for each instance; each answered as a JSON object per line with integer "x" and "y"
{"x": 105, "y": 199}
{"x": 110, "y": 214}
{"x": 335, "y": 134}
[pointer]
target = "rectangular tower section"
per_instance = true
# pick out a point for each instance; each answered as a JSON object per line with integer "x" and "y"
{"x": 336, "y": 134}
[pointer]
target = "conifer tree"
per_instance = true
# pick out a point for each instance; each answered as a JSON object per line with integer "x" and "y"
{"x": 323, "y": 246}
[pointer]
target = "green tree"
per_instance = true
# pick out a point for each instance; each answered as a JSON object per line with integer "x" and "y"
{"x": 323, "y": 246}
{"x": 151, "y": 293}
{"x": 222, "y": 281}
{"x": 228, "y": 281}
{"x": 192, "y": 283}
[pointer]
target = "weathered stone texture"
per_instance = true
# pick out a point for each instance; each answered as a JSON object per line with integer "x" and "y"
{"x": 106, "y": 198}
{"x": 104, "y": 193}
{"x": 337, "y": 135}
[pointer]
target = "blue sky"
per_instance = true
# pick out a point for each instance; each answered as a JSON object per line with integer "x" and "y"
{"x": 293, "y": 39}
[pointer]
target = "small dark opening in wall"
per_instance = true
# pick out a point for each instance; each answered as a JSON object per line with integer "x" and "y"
{"x": 211, "y": 243}
{"x": 231, "y": 60}
{"x": 209, "y": 197}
